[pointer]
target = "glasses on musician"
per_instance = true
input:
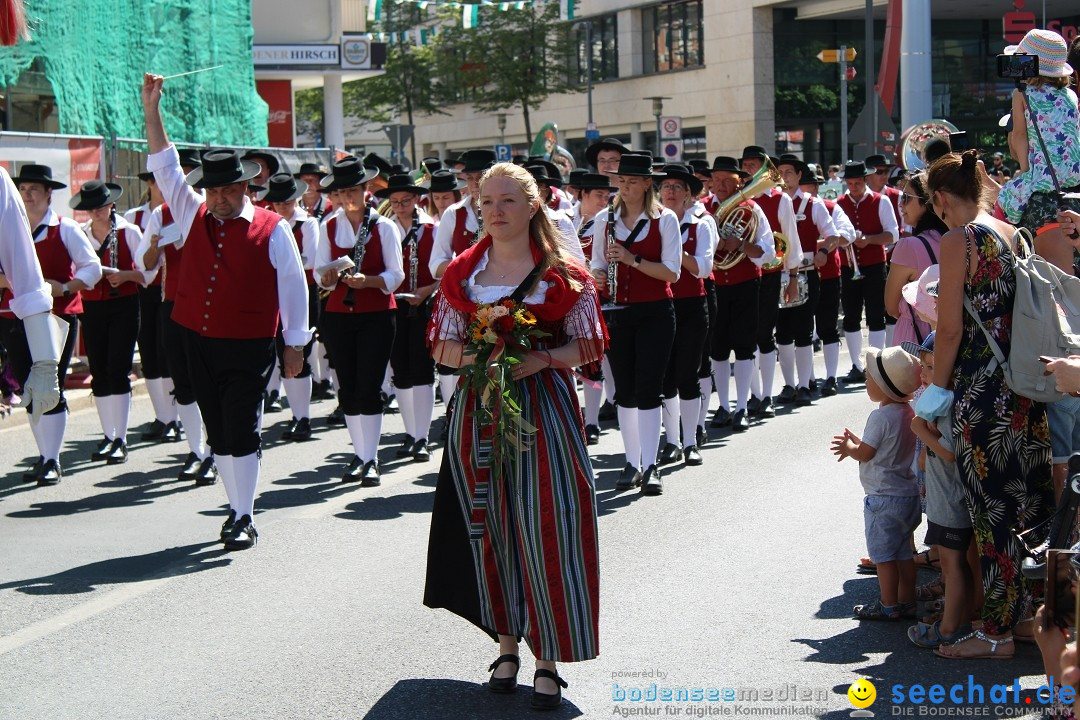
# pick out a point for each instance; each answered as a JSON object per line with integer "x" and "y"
{"x": 402, "y": 203}
{"x": 882, "y": 171}
{"x": 672, "y": 187}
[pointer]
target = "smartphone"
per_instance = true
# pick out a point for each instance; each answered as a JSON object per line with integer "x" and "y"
{"x": 1017, "y": 66}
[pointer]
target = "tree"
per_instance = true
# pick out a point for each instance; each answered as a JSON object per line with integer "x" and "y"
{"x": 513, "y": 58}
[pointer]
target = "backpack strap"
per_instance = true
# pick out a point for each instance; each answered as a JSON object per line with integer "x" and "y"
{"x": 999, "y": 357}
{"x": 929, "y": 250}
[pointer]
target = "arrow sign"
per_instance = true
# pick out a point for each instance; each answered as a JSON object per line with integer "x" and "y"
{"x": 833, "y": 55}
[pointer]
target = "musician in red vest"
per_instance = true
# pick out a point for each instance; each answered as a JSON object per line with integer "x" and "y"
{"x": 460, "y": 226}
{"x": 110, "y": 319}
{"x": 158, "y": 252}
{"x": 875, "y": 227}
{"x": 313, "y": 201}
{"x": 268, "y": 165}
{"x": 35, "y": 271}
{"x": 241, "y": 272}
{"x": 605, "y": 155}
{"x": 413, "y": 366}
{"x": 638, "y": 240}
{"x": 359, "y": 323}
{"x": 878, "y": 181}
{"x": 737, "y": 303}
{"x": 444, "y": 189}
{"x": 282, "y": 194}
{"x": 69, "y": 265}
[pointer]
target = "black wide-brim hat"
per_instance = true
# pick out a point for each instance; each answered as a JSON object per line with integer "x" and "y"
{"x": 432, "y": 164}
{"x": 700, "y": 167}
{"x": 273, "y": 165}
{"x": 541, "y": 174}
{"x": 283, "y": 188}
{"x": 676, "y": 171}
{"x": 606, "y": 144}
{"x": 725, "y": 163}
{"x": 220, "y": 168}
{"x": 799, "y": 165}
{"x": 877, "y": 161}
{"x": 553, "y": 170}
{"x": 853, "y": 169}
{"x": 754, "y": 152}
{"x": 348, "y": 173}
{"x": 41, "y": 174}
{"x": 575, "y": 175}
{"x": 636, "y": 166}
{"x": 444, "y": 180}
{"x": 95, "y": 194}
{"x": 476, "y": 160}
{"x": 189, "y": 157}
{"x": 379, "y": 163}
{"x": 310, "y": 169}
{"x": 402, "y": 182}
{"x": 594, "y": 181}
{"x": 809, "y": 177}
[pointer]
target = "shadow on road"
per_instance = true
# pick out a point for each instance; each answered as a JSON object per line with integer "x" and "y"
{"x": 437, "y": 698}
{"x": 137, "y": 489}
{"x": 388, "y": 508}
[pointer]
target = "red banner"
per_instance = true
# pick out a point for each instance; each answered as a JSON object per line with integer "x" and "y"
{"x": 85, "y": 166}
{"x": 279, "y": 124}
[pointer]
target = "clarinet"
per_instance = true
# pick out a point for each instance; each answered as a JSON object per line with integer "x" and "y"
{"x": 349, "y": 300}
{"x": 613, "y": 265}
{"x": 479, "y": 227}
{"x": 113, "y": 242}
{"x": 414, "y": 257}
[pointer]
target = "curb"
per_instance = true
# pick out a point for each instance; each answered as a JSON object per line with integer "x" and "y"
{"x": 77, "y": 399}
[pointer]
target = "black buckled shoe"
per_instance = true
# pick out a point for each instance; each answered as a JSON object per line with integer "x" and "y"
{"x": 207, "y": 473}
{"x": 272, "y": 403}
{"x": 753, "y": 405}
{"x": 608, "y": 412}
{"x": 287, "y": 433}
{"x": 103, "y": 449}
{"x": 504, "y": 685}
{"x": 721, "y": 418}
{"x": 828, "y": 388}
{"x": 117, "y": 453}
{"x": 651, "y": 484}
{"x": 390, "y": 405}
{"x": 691, "y": 456}
{"x": 546, "y": 701}
{"x": 786, "y": 396}
{"x": 369, "y": 474}
{"x": 322, "y": 390}
{"x": 420, "y": 452}
{"x": 352, "y": 471}
{"x": 670, "y": 454}
{"x": 592, "y": 435}
{"x": 766, "y": 408}
{"x": 855, "y": 376}
{"x": 226, "y": 527}
{"x": 154, "y": 431}
{"x": 50, "y": 474}
{"x": 814, "y": 384}
{"x": 172, "y": 433}
{"x": 34, "y": 472}
{"x": 337, "y": 417}
{"x": 803, "y": 397}
{"x": 406, "y": 448}
{"x": 191, "y": 467}
{"x": 739, "y": 422}
{"x": 302, "y": 431}
{"x": 629, "y": 478}
{"x": 702, "y": 436}
{"x": 242, "y": 535}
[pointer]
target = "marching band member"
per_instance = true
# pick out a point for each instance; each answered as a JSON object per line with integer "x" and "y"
{"x": 360, "y": 313}
{"x": 705, "y": 203}
{"x": 313, "y": 201}
{"x": 282, "y": 194}
{"x": 878, "y": 181}
{"x": 795, "y": 325}
{"x": 682, "y": 392}
{"x": 639, "y": 240}
{"x": 875, "y": 227}
{"x": 605, "y": 155}
{"x": 559, "y": 218}
{"x": 268, "y": 165}
{"x": 155, "y": 369}
{"x": 111, "y": 313}
{"x": 413, "y": 366}
{"x": 248, "y": 256}
{"x": 158, "y": 252}
{"x": 32, "y": 282}
{"x": 551, "y": 192}
{"x": 737, "y": 303}
{"x": 444, "y": 189}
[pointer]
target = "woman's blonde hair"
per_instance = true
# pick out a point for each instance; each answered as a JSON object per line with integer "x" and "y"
{"x": 554, "y": 255}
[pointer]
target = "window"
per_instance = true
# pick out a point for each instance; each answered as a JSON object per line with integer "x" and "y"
{"x": 673, "y": 36}
{"x": 605, "y": 49}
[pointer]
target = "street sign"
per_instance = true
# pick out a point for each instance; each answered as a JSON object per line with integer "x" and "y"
{"x": 398, "y": 134}
{"x": 833, "y": 55}
{"x": 850, "y": 73}
{"x": 670, "y": 127}
{"x": 592, "y": 133}
{"x": 502, "y": 153}
{"x": 672, "y": 150}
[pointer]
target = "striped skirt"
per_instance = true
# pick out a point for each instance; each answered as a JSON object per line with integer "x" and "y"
{"x": 529, "y": 535}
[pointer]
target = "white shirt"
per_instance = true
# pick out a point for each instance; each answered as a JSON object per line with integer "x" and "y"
{"x": 819, "y": 214}
{"x": 147, "y": 211}
{"x": 565, "y": 227}
{"x": 421, "y": 217}
{"x": 184, "y": 202}
{"x": 706, "y": 240}
{"x": 670, "y": 239}
{"x": 345, "y": 237}
{"x": 441, "y": 251}
{"x": 153, "y": 227}
{"x": 310, "y": 233}
{"x": 133, "y": 238}
{"x": 86, "y": 262}
{"x": 18, "y": 261}
{"x": 843, "y": 225}
{"x": 885, "y": 214}
{"x": 789, "y": 228}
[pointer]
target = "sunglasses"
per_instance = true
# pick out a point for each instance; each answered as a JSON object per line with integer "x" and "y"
{"x": 906, "y": 198}
{"x": 882, "y": 171}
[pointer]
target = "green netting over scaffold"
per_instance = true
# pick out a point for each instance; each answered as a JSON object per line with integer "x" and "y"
{"x": 96, "y": 51}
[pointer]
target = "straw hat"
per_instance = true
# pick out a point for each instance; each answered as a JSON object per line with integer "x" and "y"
{"x": 896, "y": 372}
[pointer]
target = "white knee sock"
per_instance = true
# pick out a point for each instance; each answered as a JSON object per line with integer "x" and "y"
{"x": 246, "y": 478}
{"x": 386, "y": 386}
{"x": 356, "y": 433}
{"x": 298, "y": 390}
{"x": 423, "y": 403}
{"x": 121, "y": 413}
{"x": 405, "y": 406}
{"x": 324, "y": 363}
{"x": 688, "y": 411}
{"x": 447, "y": 384}
{"x": 334, "y": 381}
{"x": 609, "y": 380}
{"x": 721, "y": 372}
{"x": 890, "y": 328}
{"x": 804, "y": 359}
{"x": 170, "y": 407}
{"x": 158, "y": 398}
{"x": 705, "y": 384}
{"x": 854, "y": 347}
{"x": 767, "y": 363}
{"x": 594, "y": 396}
{"x": 371, "y": 430}
{"x": 275, "y": 380}
{"x": 104, "y": 413}
{"x": 191, "y": 419}
{"x": 313, "y": 363}
{"x": 832, "y": 358}
{"x": 671, "y": 419}
{"x": 786, "y": 354}
{"x": 649, "y": 432}
{"x": 628, "y": 428}
{"x": 744, "y": 374}
{"x": 51, "y": 435}
{"x": 877, "y": 338}
{"x": 35, "y": 428}
{"x": 755, "y": 377}
{"x": 224, "y": 464}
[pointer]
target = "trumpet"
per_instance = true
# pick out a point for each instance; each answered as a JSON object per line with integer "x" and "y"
{"x": 735, "y": 220}
{"x": 853, "y": 262}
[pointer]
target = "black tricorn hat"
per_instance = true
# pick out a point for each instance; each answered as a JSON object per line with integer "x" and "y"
{"x": 593, "y": 181}
{"x": 221, "y": 167}
{"x": 477, "y": 160}
{"x": 347, "y": 173}
{"x": 636, "y": 165}
{"x": 41, "y": 174}
{"x": 444, "y": 180}
{"x": 189, "y": 157}
{"x": 854, "y": 169}
{"x": 877, "y": 161}
{"x": 310, "y": 169}
{"x": 379, "y": 163}
{"x": 676, "y": 171}
{"x": 751, "y": 152}
{"x": 95, "y": 194}
{"x": 273, "y": 165}
{"x": 401, "y": 182}
{"x": 541, "y": 174}
{"x": 283, "y": 188}
{"x": 725, "y": 163}
{"x": 606, "y": 144}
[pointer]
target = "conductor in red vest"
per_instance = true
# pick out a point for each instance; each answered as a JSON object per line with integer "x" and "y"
{"x": 241, "y": 272}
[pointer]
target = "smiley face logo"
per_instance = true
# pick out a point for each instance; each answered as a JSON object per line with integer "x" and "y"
{"x": 862, "y": 693}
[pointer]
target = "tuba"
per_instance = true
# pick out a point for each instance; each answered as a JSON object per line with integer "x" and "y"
{"x": 915, "y": 139}
{"x": 733, "y": 219}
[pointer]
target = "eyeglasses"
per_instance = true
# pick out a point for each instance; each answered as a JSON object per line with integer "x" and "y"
{"x": 881, "y": 171}
{"x": 402, "y": 203}
{"x": 672, "y": 187}
{"x": 905, "y": 198}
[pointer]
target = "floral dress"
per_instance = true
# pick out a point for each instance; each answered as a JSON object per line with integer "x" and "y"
{"x": 1002, "y": 440}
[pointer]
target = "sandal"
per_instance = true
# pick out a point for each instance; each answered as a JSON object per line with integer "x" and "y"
{"x": 933, "y": 590}
{"x": 923, "y": 560}
{"x": 877, "y": 611}
{"x": 929, "y": 636}
{"x": 991, "y": 654}
{"x": 866, "y": 567}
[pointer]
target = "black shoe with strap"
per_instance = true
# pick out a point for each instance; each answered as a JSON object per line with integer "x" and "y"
{"x": 352, "y": 470}
{"x": 786, "y": 396}
{"x": 191, "y": 467}
{"x": 691, "y": 456}
{"x": 207, "y": 474}
{"x": 369, "y": 474}
{"x": 34, "y": 472}
{"x": 103, "y": 449}
{"x": 828, "y": 388}
{"x": 171, "y": 433}
{"x": 226, "y": 527}
{"x": 242, "y": 535}
{"x": 607, "y": 412}
{"x": 651, "y": 483}
{"x": 855, "y": 376}
{"x": 337, "y": 417}
{"x": 287, "y": 433}
{"x": 702, "y": 436}
{"x": 803, "y": 397}
{"x": 504, "y": 685}
{"x": 592, "y": 434}
{"x": 629, "y": 478}
{"x": 671, "y": 453}
{"x": 302, "y": 431}
{"x": 50, "y": 474}
{"x": 406, "y": 448}
{"x": 766, "y": 408}
{"x": 420, "y": 451}
{"x": 721, "y": 418}
{"x": 154, "y": 431}
{"x": 272, "y": 403}
{"x": 118, "y": 454}
{"x": 547, "y": 701}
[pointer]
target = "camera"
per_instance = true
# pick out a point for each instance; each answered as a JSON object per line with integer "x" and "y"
{"x": 1018, "y": 66}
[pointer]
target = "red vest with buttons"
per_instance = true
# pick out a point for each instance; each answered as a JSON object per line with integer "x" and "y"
{"x": 227, "y": 286}
{"x": 689, "y": 286}
{"x": 586, "y": 238}
{"x": 55, "y": 265}
{"x": 894, "y": 196}
{"x": 426, "y": 231}
{"x": 831, "y": 269}
{"x": 744, "y": 271}
{"x": 462, "y": 239}
{"x": 368, "y": 299}
{"x": 635, "y": 286}
{"x": 808, "y": 231}
{"x": 298, "y": 234}
{"x": 711, "y": 203}
{"x": 103, "y": 290}
{"x": 770, "y": 205}
{"x": 865, "y": 217}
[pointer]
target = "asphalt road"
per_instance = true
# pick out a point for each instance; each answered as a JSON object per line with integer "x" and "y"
{"x": 116, "y": 601}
